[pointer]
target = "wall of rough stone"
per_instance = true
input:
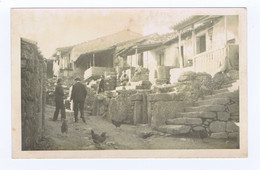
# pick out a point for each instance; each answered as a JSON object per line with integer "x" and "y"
{"x": 33, "y": 93}
{"x": 197, "y": 102}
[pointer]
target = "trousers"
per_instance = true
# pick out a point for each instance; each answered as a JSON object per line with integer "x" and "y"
{"x": 78, "y": 106}
{"x": 59, "y": 107}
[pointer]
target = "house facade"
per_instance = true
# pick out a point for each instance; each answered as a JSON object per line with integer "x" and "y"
{"x": 200, "y": 43}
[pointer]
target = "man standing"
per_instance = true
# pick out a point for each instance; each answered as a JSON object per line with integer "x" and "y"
{"x": 59, "y": 95}
{"x": 78, "y": 96}
{"x": 101, "y": 86}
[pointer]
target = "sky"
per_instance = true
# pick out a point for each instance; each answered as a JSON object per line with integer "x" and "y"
{"x": 54, "y": 28}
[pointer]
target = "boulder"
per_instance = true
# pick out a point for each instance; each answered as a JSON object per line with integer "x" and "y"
{"x": 234, "y": 108}
{"x": 184, "y": 121}
{"x": 219, "y": 135}
{"x": 196, "y": 115}
{"x": 223, "y": 116}
{"x": 233, "y": 135}
{"x": 159, "y": 97}
{"x": 217, "y": 126}
{"x": 232, "y": 127}
{"x": 175, "y": 129}
{"x": 198, "y": 128}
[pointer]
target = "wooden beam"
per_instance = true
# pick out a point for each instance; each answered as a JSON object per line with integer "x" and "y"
{"x": 179, "y": 44}
{"x": 93, "y": 59}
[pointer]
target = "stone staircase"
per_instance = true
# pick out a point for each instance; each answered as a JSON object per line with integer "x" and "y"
{"x": 210, "y": 113}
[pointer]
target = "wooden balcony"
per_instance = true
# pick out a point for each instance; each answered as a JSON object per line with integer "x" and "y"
{"x": 209, "y": 61}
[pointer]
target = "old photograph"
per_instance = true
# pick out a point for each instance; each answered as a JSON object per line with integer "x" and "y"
{"x": 129, "y": 82}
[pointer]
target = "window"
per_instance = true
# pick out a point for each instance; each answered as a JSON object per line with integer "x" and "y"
{"x": 201, "y": 44}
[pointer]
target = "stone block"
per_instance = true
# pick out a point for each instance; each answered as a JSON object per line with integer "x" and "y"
{"x": 175, "y": 129}
{"x": 223, "y": 116}
{"x": 232, "y": 127}
{"x": 137, "y": 97}
{"x": 159, "y": 97}
{"x": 234, "y": 108}
{"x": 198, "y": 128}
{"x": 196, "y": 115}
{"x": 138, "y": 112}
{"x": 219, "y": 135}
{"x": 206, "y": 108}
{"x": 233, "y": 135}
{"x": 215, "y": 101}
{"x": 217, "y": 126}
{"x": 184, "y": 121}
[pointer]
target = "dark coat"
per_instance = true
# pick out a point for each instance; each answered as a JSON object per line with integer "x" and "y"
{"x": 79, "y": 92}
{"x": 59, "y": 93}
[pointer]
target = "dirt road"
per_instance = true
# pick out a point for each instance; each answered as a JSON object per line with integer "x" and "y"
{"x": 125, "y": 137}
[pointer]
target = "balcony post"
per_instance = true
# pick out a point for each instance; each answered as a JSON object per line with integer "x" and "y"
{"x": 179, "y": 44}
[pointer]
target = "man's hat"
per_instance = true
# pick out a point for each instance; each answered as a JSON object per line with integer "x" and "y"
{"x": 77, "y": 79}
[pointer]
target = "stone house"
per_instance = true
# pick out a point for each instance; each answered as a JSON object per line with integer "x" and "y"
{"x": 94, "y": 56}
{"x": 199, "y": 44}
{"x": 62, "y": 65}
{"x": 203, "y": 43}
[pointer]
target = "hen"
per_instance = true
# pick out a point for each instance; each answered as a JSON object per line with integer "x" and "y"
{"x": 116, "y": 123}
{"x": 203, "y": 134}
{"x": 64, "y": 127}
{"x": 97, "y": 139}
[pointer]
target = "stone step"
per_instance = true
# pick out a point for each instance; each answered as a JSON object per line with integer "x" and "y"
{"x": 219, "y": 95}
{"x": 175, "y": 129}
{"x": 206, "y": 108}
{"x": 223, "y": 90}
{"x": 184, "y": 121}
{"x": 206, "y": 115}
{"x": 213, "y": 101}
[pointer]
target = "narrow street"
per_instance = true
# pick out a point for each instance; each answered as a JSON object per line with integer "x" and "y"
{"x": 126, "y": 137}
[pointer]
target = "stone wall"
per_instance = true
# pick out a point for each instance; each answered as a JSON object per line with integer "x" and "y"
{"x": 33, "y": 93}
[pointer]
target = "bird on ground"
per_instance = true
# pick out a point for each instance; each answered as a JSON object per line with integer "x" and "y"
{"x": 117, "y": 123}
{"x": 203, "y": 134}
{"x": 98, "y": 139}
{"x": 64, "y": 127}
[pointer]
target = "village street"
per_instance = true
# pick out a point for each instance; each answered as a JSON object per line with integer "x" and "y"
{"x": 125, "y": 137}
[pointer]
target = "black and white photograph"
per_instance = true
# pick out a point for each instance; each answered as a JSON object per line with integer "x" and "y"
{"x": 127, "y": 82}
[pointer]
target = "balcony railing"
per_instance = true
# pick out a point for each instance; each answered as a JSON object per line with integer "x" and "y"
{"x": 209, "y": 61}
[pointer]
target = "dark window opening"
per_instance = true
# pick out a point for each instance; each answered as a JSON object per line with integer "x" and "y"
{"x": 201, "y": 44}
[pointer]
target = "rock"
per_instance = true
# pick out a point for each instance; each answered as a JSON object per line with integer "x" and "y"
{"x": 234, "y": 108}
{"x": 220, "y": 135}
{"x": 137, "y": 96}
{"x": 159, "y": 97}
{"x": 232, "y": 127}
{"x": 223, "y": 116}
{"x": 215, "y": 101}
{"x": 184, "y": 121}
{"x": 196, "y": 115}
{"x": 233, "y": 74}
{"x": 198, "y": 128}
{"x": 175, "y": 129}
{"x": 217, "y": 126}
{"x": 206, "y": 108}
{"x": 233, "y": 135}
{"x": 187, "y": 76}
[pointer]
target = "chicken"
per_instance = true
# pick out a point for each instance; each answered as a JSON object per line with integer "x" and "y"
{"x": 64, "y": 127}
{"x": 203, "y": 134}
{"x": 98, "y": 139}
{"x": 116, "y": 123}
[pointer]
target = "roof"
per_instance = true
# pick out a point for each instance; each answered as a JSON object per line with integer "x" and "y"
{"x": 193, "y": 20}
{"x": 102, "y": 43}
{"x": 145, "y": 43}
